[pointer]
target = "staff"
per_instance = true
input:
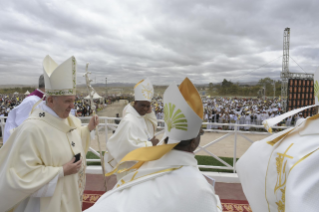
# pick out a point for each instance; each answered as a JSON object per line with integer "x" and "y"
{"x": 91, "y": 93}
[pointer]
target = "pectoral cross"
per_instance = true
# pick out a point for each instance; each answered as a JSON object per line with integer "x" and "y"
{"x": 73, "y": 144}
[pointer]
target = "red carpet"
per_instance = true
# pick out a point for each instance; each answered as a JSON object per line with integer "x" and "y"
{"x": 90, "y": 197}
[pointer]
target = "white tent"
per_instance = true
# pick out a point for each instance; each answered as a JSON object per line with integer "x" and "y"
{"x": 95, "y": 96}
{"x": 27, "y": 93}
{"x": 15, "y": 93}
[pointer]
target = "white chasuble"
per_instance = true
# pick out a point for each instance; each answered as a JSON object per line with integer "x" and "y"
{"x": 172, "y": 183}
{"x": 33, "y": 157}
{"x": 134, "y": 131}
{"x": 280, "y": 173}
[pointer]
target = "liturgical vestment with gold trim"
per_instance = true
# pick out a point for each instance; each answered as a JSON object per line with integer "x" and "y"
{"x": 34, "y": 155}
{"x": 280, "y": 173}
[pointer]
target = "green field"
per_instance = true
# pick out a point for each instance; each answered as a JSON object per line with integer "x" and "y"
{"x": 202, "y": 160}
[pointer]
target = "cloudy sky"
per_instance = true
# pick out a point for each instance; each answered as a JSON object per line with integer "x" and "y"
{"x": 165, "y": 40}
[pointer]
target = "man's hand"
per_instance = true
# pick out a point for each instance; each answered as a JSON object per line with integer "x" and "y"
{"x": 71, "y": 167}
{"x": 154, "y": 141}
{"x": 94, "y": 121}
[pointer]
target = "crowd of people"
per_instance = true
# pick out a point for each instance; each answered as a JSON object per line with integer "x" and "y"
{"x": 82, "y": 107}
{"x": 249, "y": 111}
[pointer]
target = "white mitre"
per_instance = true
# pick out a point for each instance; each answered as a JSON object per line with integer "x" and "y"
{"x": 60, "y": 80}
{"x": 144, "y": 90}
{"x": 183, "y": 112}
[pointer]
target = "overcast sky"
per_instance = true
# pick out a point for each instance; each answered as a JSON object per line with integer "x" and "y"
{"x": 165, "y": 40}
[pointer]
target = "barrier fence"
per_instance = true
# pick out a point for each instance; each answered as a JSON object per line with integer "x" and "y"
{"x": 107, "y": 125}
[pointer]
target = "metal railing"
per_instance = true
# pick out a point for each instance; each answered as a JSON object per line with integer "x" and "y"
{"x": 234, "y": 131}
{"x": 107, "y": 124}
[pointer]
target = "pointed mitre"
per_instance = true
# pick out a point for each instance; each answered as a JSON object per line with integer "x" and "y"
{"x": 60, "y": 80}
{"x": 183, "y": 112}
{"x": 144, "y": 90}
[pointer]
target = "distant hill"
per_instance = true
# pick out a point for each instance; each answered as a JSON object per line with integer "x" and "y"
{"x": 119, "y": 84}
{"x": 115, "y": 84}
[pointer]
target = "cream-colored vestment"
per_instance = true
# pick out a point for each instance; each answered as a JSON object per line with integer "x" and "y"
{"x": 33, "y": 157}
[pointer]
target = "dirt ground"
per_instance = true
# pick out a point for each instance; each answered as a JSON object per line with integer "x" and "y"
{"x": 223, "y": 148}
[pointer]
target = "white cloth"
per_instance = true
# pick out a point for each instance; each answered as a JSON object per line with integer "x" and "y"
{"x": 282, "y": 175}
{"x": 18, "y": 115}
{"x": 171, "y": 184}
{"x": 134, "y": 131}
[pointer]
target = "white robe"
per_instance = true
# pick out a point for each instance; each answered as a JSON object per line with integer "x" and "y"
{"x": 282, "y": 175}
{"x": 18, "y": 115}
{"x": 172, "y": 183}
{"x": 134, "y": 131}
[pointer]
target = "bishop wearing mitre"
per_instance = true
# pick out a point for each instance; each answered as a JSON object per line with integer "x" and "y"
{"x": 280, "y": 172}
{"x": 37, "y": 164}
{"x": 136, "y": 129}
{"x": 166, "y": 177}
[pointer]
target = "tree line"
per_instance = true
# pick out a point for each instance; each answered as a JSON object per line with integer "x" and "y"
{"x": 20, "y": 90}
{"x": 228, "y": 88}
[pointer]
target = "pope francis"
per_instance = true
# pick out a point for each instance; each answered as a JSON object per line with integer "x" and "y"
{"x": 166, "y": 177}
{"x": 136, "y": 129}
{"x": 280, "y": 173}
{"x": 37, "y": 165}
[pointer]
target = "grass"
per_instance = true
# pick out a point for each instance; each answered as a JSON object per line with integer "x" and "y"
{"x": 202, "y": 160}
{"x": 90, "y": 155}
{"x": 210, "y": 161}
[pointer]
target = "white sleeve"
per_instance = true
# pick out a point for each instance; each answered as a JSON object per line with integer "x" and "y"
{"x": 23, "y": 111}
{"x": 48, "y": 189}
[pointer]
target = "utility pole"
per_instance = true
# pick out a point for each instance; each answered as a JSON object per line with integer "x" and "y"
{"x": 106, "y": 85}
{"x": 274, "y": 89}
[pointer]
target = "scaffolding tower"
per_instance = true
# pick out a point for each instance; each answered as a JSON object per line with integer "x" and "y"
{"x": 285, "y": 69}
{"x": 285, "y": 74}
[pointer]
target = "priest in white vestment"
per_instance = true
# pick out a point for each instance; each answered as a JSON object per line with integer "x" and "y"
{"x": 22, "y": 111}
{"x": 280, "y": 173}
{"x": 166, "y": 177}
{"x": 37, "y": 164}
{"x": 136, "y": 129}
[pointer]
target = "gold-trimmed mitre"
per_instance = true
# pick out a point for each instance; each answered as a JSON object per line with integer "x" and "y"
{"x": 60, "y": 80}
{"x": 144, "y": 91}
{"x": 183, "y": 112}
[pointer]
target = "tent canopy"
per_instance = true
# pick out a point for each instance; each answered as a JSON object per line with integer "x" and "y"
{"x": 16, "y": 92}
{"x": 95, "y": 96}
{"x": 27, "y": 93}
